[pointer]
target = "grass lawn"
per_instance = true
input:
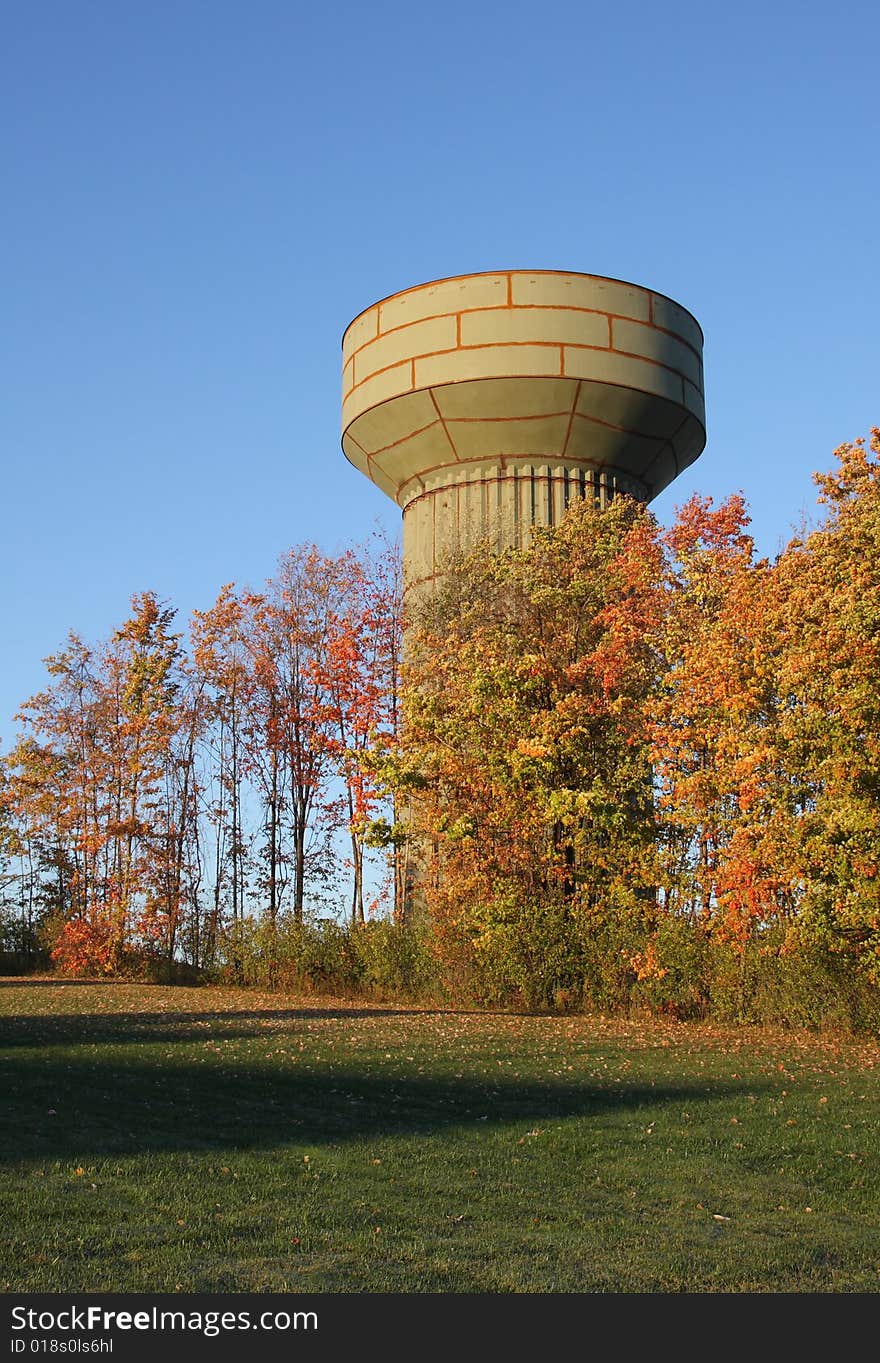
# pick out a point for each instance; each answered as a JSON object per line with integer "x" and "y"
{"x": 211, "y": 1140}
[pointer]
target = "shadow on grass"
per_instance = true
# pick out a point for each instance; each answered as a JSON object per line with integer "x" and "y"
{"x": 153, "y": 1082}
{"x": 124, "y": 1029}
{"x": 55, "y": 1110}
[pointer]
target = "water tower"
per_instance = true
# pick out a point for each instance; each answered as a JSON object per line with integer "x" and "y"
{"x": 486, "y": 403}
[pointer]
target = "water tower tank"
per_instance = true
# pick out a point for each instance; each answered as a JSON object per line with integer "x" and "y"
{"x": 485, "y": 403}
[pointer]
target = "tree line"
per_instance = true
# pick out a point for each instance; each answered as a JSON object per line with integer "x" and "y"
{"x": 625, "y": 765}
{"x": 645, "y": 762}
{"x": 166, "y": 790}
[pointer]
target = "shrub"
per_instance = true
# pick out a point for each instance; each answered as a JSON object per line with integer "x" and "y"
{"x": 396, "y": 959}
{"x": 84, "y": 946}
{"x": 672, "y": 971}
{"x": 780, "y": 978}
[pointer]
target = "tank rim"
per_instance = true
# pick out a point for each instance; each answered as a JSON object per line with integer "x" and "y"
{"x": 482, "y": 274}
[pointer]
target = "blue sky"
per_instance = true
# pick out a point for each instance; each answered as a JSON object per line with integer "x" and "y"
{"x": 198, "y": 197}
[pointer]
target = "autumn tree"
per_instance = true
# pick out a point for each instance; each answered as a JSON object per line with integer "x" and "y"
{"x": 54, "y": 775}
{"x": 524, "y": 683}
{"x": 826, "y": 616}
{"x": 221, "y": 663}
{"x": 358, "y": 668}
{"x": 294, "y": 624}
{"x": 713, "y": 711}
{"x": 140, "y": 717}
{"x": 89, "y": 785}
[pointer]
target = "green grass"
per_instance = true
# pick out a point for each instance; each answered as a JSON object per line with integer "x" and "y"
{"x": 208, "y": 1140}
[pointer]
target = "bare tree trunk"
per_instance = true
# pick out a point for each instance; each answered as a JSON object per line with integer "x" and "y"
{"x": 299, "y": 870}
{"x": 273, "y": 840}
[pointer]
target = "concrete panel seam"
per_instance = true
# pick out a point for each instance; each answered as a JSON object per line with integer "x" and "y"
{"x": 383, "y": 449}
{"x": 575, "y": 401}
{"x": 440, "y": 417}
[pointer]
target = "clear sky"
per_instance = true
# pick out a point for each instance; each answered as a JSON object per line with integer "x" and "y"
{"x": 197, "y": 197}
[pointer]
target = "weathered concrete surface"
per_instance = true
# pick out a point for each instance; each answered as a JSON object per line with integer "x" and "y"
{"x": 483, "y": 404}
